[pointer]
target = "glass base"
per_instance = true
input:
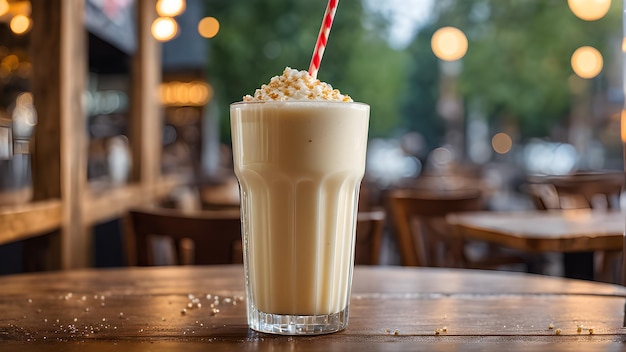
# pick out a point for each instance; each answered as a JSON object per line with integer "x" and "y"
{"x": 297, "y": 324}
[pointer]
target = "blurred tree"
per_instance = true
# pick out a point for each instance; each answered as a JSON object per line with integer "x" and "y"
{"x": 419, "y": 103}
{"x": 259, "y": 39}
{"x": 518, "y": 62}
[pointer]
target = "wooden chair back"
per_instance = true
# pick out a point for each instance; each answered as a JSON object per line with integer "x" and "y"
{"x": 600, "y": 190}
{"x": 419, "y": 224}
{"x": 199, "y": 237}
{"x": 214, "y": 236}
{"x": 369, "y": 231}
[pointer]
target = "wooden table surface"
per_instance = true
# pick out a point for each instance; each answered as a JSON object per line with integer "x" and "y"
{"x": 571, "y": 230}
{"x": 392, "y": 309}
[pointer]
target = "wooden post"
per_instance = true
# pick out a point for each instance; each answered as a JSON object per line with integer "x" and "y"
{"x": 59, "y": 52}
{"x": 146, "y": 117}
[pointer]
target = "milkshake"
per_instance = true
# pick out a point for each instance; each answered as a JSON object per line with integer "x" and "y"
{"x": 299, "y": 155}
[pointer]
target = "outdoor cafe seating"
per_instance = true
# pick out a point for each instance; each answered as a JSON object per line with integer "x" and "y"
{"x": 489, "y": 136}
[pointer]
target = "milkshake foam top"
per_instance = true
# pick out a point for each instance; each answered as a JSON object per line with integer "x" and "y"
{"x": 295, "y": 85}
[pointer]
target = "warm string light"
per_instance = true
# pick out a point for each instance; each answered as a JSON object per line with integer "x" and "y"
{"x": 589, "y": 10}
{"x": 587, "y": 62}
{"x": 20, "y": 24}
{"x": 164, "y": 28}
{"x": 170, "y": 8}
{"x": 195, "y": 93}
{"x": 4, "y": 7}
{"x": 449, "y": 43}
{"x": 208, "y": 27}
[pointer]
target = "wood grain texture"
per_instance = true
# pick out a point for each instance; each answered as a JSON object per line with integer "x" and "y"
{"x": 140, "y": 308}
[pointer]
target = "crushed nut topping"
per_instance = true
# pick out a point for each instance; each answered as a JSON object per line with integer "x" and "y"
{"x": 296, "y": 85}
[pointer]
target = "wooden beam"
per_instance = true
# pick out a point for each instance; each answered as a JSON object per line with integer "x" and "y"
{"x": 114, "y": 203}
{"x": 29, "y": 220}
{"x": 46, "y": 78}
{"x": 76, "y": 240}
{"x": 59, "y": 52}
{"x": 146, "y": 116}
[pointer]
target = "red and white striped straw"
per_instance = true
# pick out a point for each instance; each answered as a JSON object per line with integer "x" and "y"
{"x": 322, "y": 38}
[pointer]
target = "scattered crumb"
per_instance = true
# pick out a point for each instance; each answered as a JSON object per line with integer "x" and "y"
{"x": 557, "y": 331}
{"x": 396, "y": 332}
{"x": 551, "y": 326}
{"x": 590, "y": 331}
{"x": 437, "y": 331}
{"x": 444, "y": 329}
{"x": 579, "y": 329}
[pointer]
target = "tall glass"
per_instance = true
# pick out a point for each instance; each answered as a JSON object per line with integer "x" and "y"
{"x": 299, "y": 166}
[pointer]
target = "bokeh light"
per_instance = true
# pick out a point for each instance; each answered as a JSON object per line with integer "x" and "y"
{"x": 623, "y": 125}
{"x": 4, "y": 7}
{"x": 551, "y": 158}
{"x": 170, "y": 8}
{"x": 24, "y": 116}
{"x": 208, "y": 27}
{"x": 449, "y": 43}
{"x": 164, "y": 28}
{"x": 501, "y": 143}
{"x": 195, "y": 93}
{"x": 589, "y": 10}
{"x": 387, "y": 163}
{"x": 587, "y": 62}
{"x": 11, "y": 61}
{"x": 20, "y": 24}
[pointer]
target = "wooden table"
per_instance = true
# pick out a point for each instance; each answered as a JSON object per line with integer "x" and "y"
{"x": 545, "y": 231}
{"x": 392, "y": 309}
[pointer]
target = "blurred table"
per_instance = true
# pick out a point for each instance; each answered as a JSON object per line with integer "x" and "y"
{"x": 392, "y": 308}
{"x": 576, "y": 233}
{"x": 569, "y": 230}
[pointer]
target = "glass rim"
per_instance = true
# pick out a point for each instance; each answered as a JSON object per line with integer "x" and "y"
{"x": 297, "y": 102}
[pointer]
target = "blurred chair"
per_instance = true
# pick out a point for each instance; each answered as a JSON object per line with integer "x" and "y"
{"x": 369, "y": 229}
{"x": 159, "y": 236}
{"x": 419, "y": 222}
{"x": 424, "y": 237}
{"x": 543, "y": 196}
{"x": 599, "y": 190}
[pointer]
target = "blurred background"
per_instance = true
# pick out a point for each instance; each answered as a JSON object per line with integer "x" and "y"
{"x": 496, "y": 90}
